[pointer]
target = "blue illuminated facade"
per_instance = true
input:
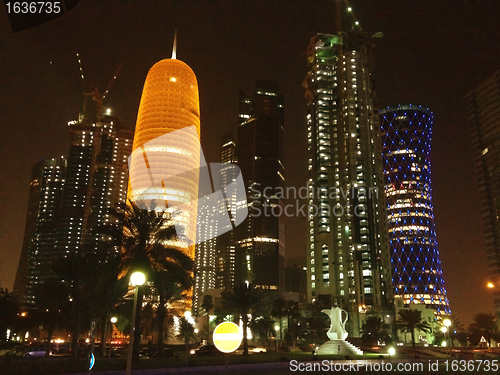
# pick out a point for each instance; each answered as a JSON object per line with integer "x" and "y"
{"x": 406, "y": 146}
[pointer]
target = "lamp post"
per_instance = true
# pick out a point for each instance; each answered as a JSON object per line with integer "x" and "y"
{"x": 391, "y": 352}
{"x": 447, "y": 324}
{"x": 136, "y": 280}
{"x": 113, "y": 321}
{"x": 187, "y": 318}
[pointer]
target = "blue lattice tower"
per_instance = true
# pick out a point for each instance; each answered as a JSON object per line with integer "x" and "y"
{"x": 406, "y": 146}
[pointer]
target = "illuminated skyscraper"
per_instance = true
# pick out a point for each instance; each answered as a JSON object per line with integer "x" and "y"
{"x": 46, "y": 189}
{"x": 260, "y": 242}
{"x": 70, "y": 198}
{"x": 225, "y": 249}
{"x": 169, "y": 103}
{"x": 96, "y": 180}
{"x": 483, "y": 107}
{"x": 348, "y": 260}
{"x": 215, "y": 257}
{"x": 417, "y": 275}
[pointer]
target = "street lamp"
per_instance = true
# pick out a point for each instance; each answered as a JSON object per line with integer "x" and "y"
{"x": 136, "y": 280}
{"x": 447, "y": 324}
{"x": 113, "y": 320}
{"x": 391, "y": 351}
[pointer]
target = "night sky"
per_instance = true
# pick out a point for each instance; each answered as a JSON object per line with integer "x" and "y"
{"x": 432, "y": 53}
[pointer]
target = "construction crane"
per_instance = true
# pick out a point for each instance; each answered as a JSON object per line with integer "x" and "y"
{"x": 94, "y": 90}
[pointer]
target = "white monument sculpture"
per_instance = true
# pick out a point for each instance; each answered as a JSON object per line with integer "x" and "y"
{"x": 337, "y": 335}
{"x": 337, "y": 326}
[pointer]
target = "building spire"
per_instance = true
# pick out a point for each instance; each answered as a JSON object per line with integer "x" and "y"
{"x": 174, "y": 49}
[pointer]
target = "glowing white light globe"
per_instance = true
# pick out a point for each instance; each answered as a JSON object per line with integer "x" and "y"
{"x": 137, "y": 278}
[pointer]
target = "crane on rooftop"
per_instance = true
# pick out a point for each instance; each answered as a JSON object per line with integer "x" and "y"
{"x": 94, "y": 90}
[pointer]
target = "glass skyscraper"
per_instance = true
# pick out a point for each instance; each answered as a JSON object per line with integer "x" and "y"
{"x": 70, "y": 198}
{"x": 214, "y": 257}
{"x": 348, "y": 259}
{"x": 406, "y": 146}
{"x": 483, "y": 108}
{"x": 46, "y": 189}
{"x": 259, "y": 257}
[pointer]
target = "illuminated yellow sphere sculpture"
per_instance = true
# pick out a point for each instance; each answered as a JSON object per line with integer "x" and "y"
{"x": 169, "y": 103}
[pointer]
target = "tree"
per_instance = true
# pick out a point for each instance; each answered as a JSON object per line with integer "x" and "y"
{"x": 148, "y": 243}
{"x": 207, "y": 305}
{"x": 484, "y": 325}
{"x": 293, "y": 313}
{"x": 8, "y": 312}
{"x": 242, "y": 300}
{"x": 280, "y": 311}
{"x": 51, "y": 306}
{"x": 452, "y": 331}
{"x": 186, "y": 334}
{"x": 409, "y": 320}
{"x": 79, "y": 272}
{"x": 262, "y": 327}
{"x": 373, "y": 329}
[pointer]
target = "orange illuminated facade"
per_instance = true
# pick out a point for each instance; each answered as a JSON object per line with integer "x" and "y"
{"x": 169, "y": 103}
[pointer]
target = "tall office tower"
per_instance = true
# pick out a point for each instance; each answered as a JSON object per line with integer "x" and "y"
{"x": 96, "y": 180}
{"x": 417, "y": 275}
{"x": 259, "y": 251}
{"x": 225, "y": 249}
{"x": 167, "y": 174}
{"x": 214, "y": 257}
{"x": 204, "y": 279}
{"x": 483, "y": 107}
{"x": 46, "y": 188}
{"x": 348, "y": 259}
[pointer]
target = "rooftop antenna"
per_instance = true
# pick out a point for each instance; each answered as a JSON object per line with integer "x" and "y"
{"x": 174, "y": 49}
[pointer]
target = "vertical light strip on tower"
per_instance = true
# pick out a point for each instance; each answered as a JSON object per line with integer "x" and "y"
{"x": 406, "y": 139}
{"x": 169, "y": 103}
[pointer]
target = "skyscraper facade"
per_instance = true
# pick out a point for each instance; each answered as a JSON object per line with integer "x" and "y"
{"x": 348, "y": 261}
{"x": 96, "y": 180}
{"x": 226, "y": 247}
{"x": 259, "y": 256}
{"x": 38, "y": 252}
{"x": 483, "y": 109}
{"x": 70, "y": 198}
{"x": 169, "y": 175}
{"x": 406, "y": 146}
{"x": 215, "y": 257}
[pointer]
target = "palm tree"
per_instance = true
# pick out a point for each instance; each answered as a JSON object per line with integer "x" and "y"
{"x": 455, "y": 327}
{"x": 409, "y": 320}
{"x": 207, "y": 305}
{"x": 168, "y": 291}
{"x": 293, "y": 313}
{"x": 373, "y": 328}
{"x": 148, "y": 242}
{"x": 8, "y": 312}
{"x": 484, "y": 325}
{"x": 261, "y": 328}
{"x": 280, "y": 311}
{"x": 186, "y": 334}
{"x": 79, "y": 272}
{"x": 51, "y": 305}
{"x": 242, "y": 300}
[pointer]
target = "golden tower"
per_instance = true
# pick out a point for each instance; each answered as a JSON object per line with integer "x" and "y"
{"x": 169, "y": 172}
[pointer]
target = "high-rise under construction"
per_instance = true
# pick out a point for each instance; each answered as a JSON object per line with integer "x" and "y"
{"x": 348, "y": 260}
